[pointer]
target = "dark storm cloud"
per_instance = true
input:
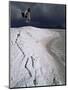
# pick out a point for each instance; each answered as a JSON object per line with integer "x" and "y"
{"x": 42, "y": 15}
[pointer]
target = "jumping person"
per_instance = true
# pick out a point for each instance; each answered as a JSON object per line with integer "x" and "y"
{"x": 27, "y": 15}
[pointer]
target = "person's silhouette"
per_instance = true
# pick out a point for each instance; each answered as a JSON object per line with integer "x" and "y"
{"x": 27, "y": 14}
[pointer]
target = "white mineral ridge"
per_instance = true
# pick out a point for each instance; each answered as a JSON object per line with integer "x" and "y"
{"x": 37, "y": 57}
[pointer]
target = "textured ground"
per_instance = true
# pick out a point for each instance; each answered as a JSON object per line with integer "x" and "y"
{"x": 37, "y": 57}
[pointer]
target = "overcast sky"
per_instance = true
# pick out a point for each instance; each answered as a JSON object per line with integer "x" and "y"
{"x": 42, "y": 15}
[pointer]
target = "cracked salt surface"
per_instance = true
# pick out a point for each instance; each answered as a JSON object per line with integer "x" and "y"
{"x": 36, "y": 57}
